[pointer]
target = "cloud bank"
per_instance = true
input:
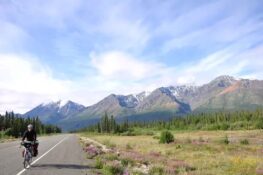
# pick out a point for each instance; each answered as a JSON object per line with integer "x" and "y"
{"x": 89, "y": 49}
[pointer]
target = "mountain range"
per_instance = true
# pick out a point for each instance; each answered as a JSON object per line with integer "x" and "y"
{"x": 222, "y": 93}
{"x": 53, "y": 112}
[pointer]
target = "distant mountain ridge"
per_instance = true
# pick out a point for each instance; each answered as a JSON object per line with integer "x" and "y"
{"x": 222, "y": 93}
{"x": 53, "y": 112}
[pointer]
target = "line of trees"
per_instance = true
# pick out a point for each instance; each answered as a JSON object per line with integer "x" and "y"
{"x": 108, "y": 125}
{"x": 13, "y": 125}
{"x": 200, "y": 121}
{"x": 217, "y": 121}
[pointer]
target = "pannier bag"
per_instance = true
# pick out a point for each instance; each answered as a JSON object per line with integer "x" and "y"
{"x": 35, "y": 150}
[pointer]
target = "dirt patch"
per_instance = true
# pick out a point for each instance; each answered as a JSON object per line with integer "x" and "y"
{"x": 230, "y": 88}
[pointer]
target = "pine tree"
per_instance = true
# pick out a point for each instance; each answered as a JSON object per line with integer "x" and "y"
{"x": 112, "y": 124}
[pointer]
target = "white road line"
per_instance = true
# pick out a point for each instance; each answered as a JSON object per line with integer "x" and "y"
{"x": 22, "y": 171}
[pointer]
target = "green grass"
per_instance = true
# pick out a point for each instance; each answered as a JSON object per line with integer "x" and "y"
{"x": 198, "y": 152}
{"x": 98, "y": 163}
{"x": 244, "y": 142}
{"x": 4, "y": 137}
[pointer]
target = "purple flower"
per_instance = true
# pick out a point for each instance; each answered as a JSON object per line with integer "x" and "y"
{"x": 92, "y": 150}
{"x": 126, "y": 173}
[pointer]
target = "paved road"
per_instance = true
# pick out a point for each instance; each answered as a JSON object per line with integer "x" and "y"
{"x": 58, "y": 155}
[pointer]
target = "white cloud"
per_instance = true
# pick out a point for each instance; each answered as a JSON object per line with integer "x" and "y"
{"x": 189, "y": 20}
{"x": 120, "y": 65}
{"x": 119, "y": 72}
{"x": 25, "y": 82}
{"x": 211, "y": 25}
{"x": 229, "y": 33}
{"x": 235, "y": 60}
{"x": 134, "y": 30}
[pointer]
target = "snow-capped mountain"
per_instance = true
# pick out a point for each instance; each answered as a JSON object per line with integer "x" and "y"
{"x": 141, "y": 96}
{"x": 131, "y": 101}
{"x": 50, "y": 112}
{"x": 181, "y": 91}
{"x": 222, "y": 93}
{"x": 128, "y": 101}
{"x": 70, "y": 108}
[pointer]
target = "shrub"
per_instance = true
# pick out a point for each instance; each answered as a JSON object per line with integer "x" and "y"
{"x": 156, "y": 170}
{"x": 156, "y": 137}
{"x": 137, "y": 132}
{"x": 98, "y": 163}
{"x": 136, "y": 172}
{"x": 149, "y": 133}
{"x": 168, "y": 153}
{"x": 188, "y": 140}
{"x": 2, "y": 134}
{"x": 128, "y": 146}
{"x": 226, "y": 140}
{"x": 111, "y": 156}
{"x": 224, "y": 126}
{"x": 113, "y": 168}
{"x": 259, "y": 124}
{"x": 166, "y": 137}
{"x": 201, "y": 139}
{"x": 127, "y": 161}
{"x": 178, "y": 146}
{"x": 244, "y": 142}
{"x": 129, "y": 133}
{"x": 8, "y": 132}
{"x": 135, "y": 156}
{"x": 108, "y": 143}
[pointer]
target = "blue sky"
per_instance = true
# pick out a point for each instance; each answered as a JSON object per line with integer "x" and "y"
{"x": 84, "y": 50}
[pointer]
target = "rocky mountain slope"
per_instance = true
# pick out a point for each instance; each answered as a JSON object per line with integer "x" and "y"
{"x": 222, "y": 93}
{"x": 242, "y": 94}
{"x": 53, "y": 112}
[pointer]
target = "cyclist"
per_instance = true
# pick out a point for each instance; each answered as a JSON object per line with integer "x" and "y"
{"x": 30, "y": 135}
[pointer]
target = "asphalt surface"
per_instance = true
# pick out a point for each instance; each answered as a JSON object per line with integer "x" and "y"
{"x": 58, "y": 155}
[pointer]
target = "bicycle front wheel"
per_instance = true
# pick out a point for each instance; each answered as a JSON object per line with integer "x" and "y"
{"x": 25, "y": 164}
{"x": 27, "y": 161}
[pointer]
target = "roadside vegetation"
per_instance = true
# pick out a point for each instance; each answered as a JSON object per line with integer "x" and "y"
{"x": 191, "y": 152}
{"x": 236, "y": 120}
{"x": 200, "y": 144}
{"x": 12, "y": 126}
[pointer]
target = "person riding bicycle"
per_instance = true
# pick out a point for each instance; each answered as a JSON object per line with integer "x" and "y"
{"x": 30, "y": 135}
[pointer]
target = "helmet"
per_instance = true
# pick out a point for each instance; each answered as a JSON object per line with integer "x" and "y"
{"x": 30, "y": 126}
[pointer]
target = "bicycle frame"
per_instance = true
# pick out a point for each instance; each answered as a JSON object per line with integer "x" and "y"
{"x": 27, "y": 155}
{"x": 28, "y": 152}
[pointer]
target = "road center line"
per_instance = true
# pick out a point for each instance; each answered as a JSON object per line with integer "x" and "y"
{"x": 22, "y": 171}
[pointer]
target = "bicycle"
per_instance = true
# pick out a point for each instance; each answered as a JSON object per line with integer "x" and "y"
{"x": 28, "y": 153}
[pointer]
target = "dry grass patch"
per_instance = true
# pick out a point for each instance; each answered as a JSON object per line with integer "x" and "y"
{"x": 199, "y": 152}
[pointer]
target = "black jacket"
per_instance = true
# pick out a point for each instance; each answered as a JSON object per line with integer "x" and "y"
{"x": 30, "y": 135}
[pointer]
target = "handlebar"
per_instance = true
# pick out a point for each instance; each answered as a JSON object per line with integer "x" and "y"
{"x": 29, "y": 142}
